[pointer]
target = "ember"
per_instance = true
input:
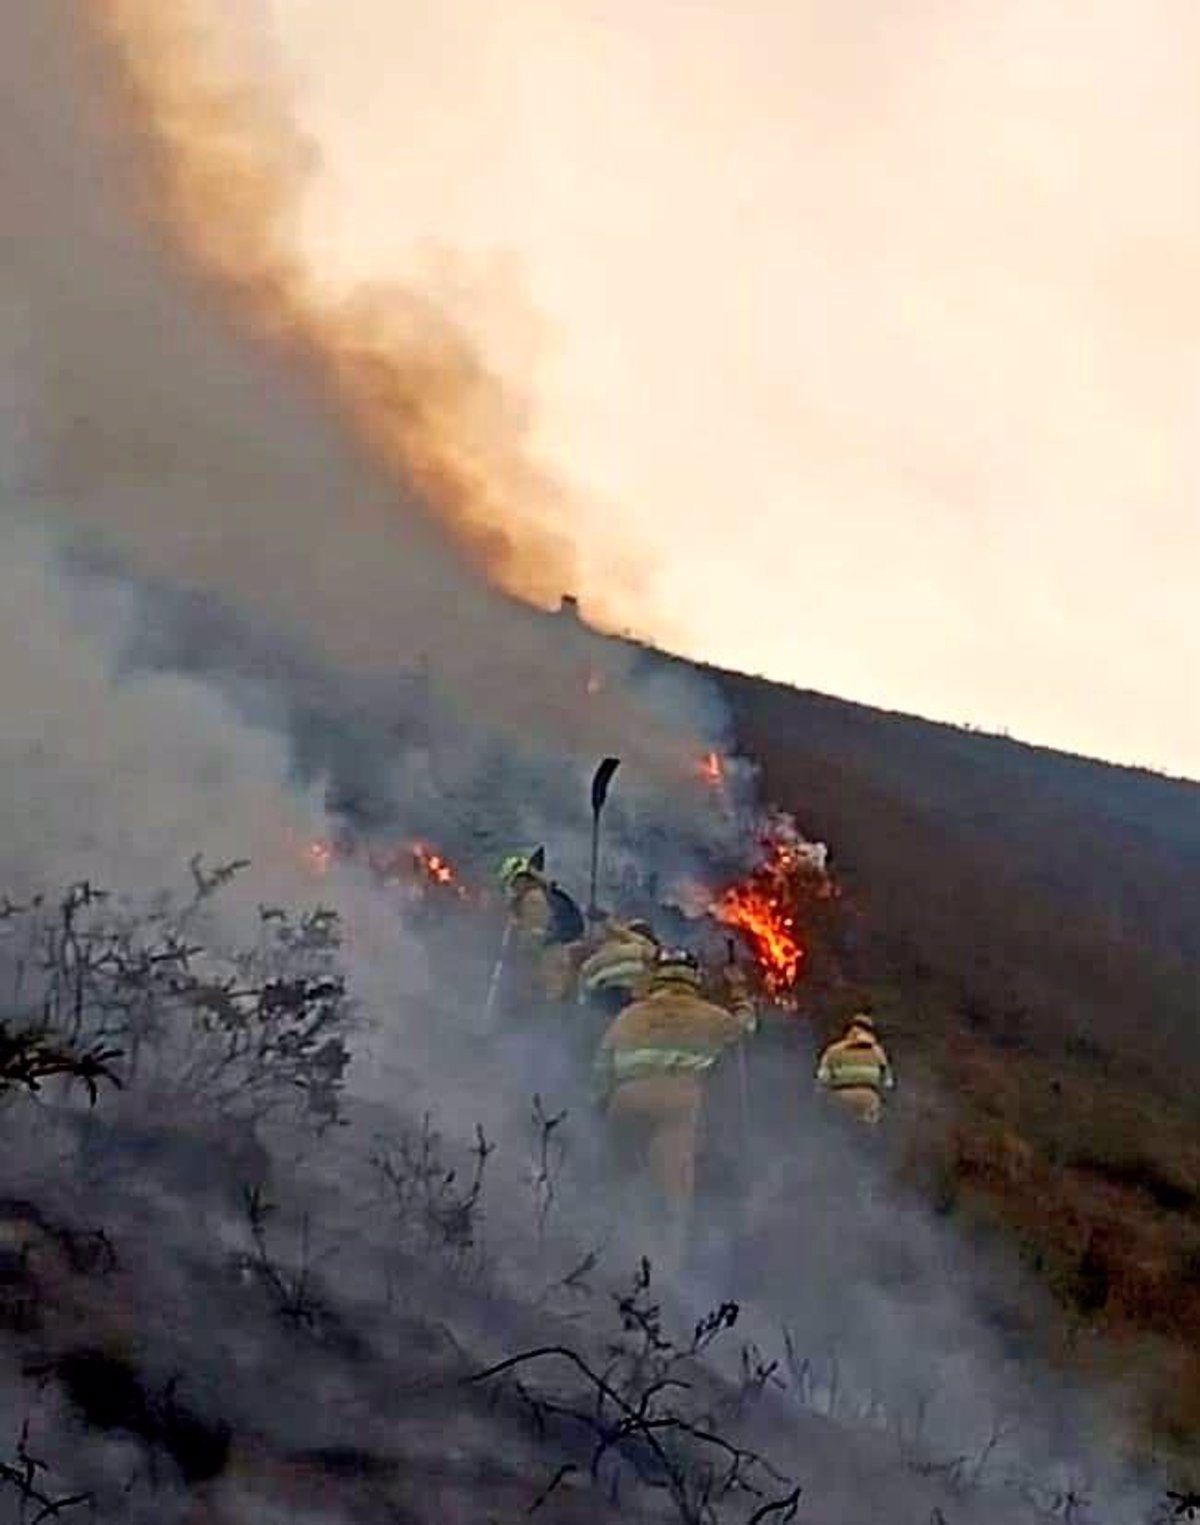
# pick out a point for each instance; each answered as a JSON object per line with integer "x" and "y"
{"x": 436, "y": 869}
{"x": 432, "y": 864}
{"x": 712, "y": 770}
{"x": 319, "y": 857}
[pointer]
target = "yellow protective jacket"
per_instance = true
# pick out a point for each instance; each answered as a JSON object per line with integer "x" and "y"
{"x": 669, "y": 1030}
{"x": 622, "y": 962}
{"x": 854, "y": 1063}
{"x": 550, "y": 964}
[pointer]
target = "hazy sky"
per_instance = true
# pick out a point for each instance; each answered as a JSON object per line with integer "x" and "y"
{"x": 871, "y": 328}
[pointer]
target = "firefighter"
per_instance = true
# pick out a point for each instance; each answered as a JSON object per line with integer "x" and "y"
{"x": 651, "y": 1071}
{"x": 545, "y": 926}
{"x": 617, "y": 969}
{"x": 856, "y": 1071}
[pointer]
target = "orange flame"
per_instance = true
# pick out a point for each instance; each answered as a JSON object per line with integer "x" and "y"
{"x": 759, "y": 908}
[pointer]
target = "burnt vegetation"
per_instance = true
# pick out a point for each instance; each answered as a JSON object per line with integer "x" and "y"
{"x": 650, "y": 1417}
{"x": 25, "y": 1485}
{"x": 601, "y": 1411}
{"x": 203, "y": 1039}
{"x": 1027, "y": 930}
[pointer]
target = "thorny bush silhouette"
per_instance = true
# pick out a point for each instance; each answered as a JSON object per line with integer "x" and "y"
{"x": 22, "y": 1479}
{"x": 647, "y": 1412}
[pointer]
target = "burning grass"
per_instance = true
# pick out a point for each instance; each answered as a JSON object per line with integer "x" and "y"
{"x": 416, "y": 866}
{"x": 766, "y": 907}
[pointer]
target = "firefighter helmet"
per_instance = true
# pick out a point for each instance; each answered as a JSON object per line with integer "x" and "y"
{"x": 678, "y": 964}
{"x": 513, "y": 868}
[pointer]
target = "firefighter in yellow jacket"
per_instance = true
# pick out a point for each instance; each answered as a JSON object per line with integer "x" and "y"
{"x": 617, "y": 970}
{"x": 651, "y": 1070}
{"x": 545, "y": 927}
{"x": 857, "y": 1071}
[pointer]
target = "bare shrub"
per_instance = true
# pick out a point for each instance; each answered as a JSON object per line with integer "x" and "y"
{"x": 241, "y": 1031}
{"x": 30, "y": 1056}
{"x": 292, "y": 1285}
{"x": 24, "y": 1478}
{"x": 649, "y": 1413}
{"x": 546, "y": 1166}
{"x": 436, "y": 1208}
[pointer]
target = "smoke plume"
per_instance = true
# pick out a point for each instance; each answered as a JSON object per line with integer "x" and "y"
{"x": 184, "y": 397}
{"x": 225, "y": 173}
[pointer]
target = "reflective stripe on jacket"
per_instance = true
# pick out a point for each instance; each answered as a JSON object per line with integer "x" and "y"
{"x": 622, "y": 962}
{"x": 671, "y": 1028}
{"x": 628, "y": 1064}
{"x": 858, "y": 1063}
{"x": 619, "y": 970}
{"x": 840, "y": 1077}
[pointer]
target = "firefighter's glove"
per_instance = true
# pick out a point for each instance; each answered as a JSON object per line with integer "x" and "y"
{"x": 736, "y": 983}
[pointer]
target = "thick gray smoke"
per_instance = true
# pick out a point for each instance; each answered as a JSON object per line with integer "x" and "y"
{"x": 207, "y": 600}
{"x": 149, "y": 428}
{"x": 121, "y": 778}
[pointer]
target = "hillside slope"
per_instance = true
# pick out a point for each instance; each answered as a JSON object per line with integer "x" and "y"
{"x": 1028, "y": 924}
